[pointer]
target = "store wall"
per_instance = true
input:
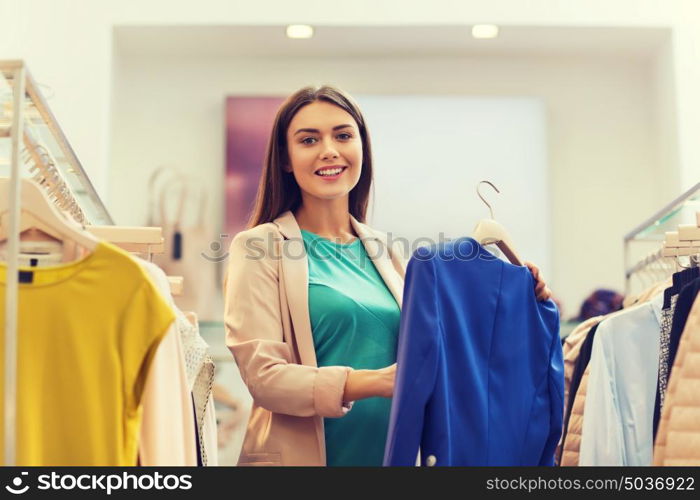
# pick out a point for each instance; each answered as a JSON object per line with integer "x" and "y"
{"x": 68, "y": 46}
{"x": 601, "y": 135}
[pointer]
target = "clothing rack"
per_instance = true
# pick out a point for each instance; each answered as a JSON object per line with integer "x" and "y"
{"x": 19, "y": 75}
{"x": 40, "y": 150}
{"x": 682, "y": 243}
{"x": 675, "y": 216}
{"x": 49, "y": 177}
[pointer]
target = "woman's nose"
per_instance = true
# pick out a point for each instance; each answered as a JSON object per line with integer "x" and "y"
{"x": 328, "y": 152}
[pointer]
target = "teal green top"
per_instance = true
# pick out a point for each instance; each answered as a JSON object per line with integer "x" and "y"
{"x": 355, "y": 322}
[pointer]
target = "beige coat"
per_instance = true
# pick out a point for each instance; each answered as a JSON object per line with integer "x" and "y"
{"x": 678, "y": 437}
{"x": 572, "y": 445}
{"x": 572, "y": 348}
{"x": 268, "y": 330}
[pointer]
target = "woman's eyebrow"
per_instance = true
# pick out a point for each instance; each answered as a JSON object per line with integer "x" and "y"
{"x": 316, "y": 131}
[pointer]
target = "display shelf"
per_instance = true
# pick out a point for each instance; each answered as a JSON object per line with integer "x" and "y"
{"x": 47, "y": 155}
{"x": 682, "y": 210}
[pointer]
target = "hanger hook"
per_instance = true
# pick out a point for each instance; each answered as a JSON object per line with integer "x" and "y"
{"x": 482, "y": 198}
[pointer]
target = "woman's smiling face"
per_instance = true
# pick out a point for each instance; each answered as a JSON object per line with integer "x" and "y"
{"x": 325, "y": 151}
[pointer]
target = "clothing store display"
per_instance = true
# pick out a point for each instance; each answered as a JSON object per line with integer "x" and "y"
{"x": 571, "y": 446}
{"x": 584, "y": 356}
{"x": 194, "y": 345}
{"x": 355, "y": 322}
{"x": 83, "y": 358}
{"x": 571, "y": 348}
{"x": 678, "y": 438}
{"x": 664, "y": 352}
{"x": 201, "y": 396}
{"x": 185, "y": 242}
{"x": 210, "y": 441}
{"x": 480, "y": 371}
{"x": 681, "y": 312}
{"x": 167, "y": 436}
{"x": 622, "y": 388}
{"x": 268, "y": 330}
{"x": 574, "y": 426}
{"x": 647, "y": 294}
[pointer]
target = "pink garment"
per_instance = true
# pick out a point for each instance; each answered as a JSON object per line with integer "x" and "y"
{"x": 167, "y": 430}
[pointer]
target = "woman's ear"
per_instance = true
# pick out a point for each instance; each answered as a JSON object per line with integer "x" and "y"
{"x": 287, "y": 168}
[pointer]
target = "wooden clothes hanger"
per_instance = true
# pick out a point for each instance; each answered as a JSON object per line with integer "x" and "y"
{"x": 38, "y": 212}
{"x": 488, "y": 231}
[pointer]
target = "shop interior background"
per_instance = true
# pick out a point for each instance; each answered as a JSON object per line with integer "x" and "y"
{"x": 584, "y": 113}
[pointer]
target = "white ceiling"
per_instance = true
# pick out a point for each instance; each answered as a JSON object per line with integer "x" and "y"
{"x": 382, "y": 41}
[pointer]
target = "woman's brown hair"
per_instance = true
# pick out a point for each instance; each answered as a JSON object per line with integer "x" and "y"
{"x": 278, "y": 190}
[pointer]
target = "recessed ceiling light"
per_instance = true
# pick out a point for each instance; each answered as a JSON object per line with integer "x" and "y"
{"x": 484, "y": 31}
{"x": 300, "y": 31}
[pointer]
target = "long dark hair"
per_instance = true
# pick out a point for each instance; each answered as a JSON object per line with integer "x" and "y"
{"x": 278, "y": 190}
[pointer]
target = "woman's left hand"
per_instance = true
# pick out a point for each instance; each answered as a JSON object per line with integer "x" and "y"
{"x": 541, "y": 289}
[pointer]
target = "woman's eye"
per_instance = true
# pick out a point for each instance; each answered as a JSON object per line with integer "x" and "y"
{"x": 344, "y": 136}
{"x": 308, "y": 140}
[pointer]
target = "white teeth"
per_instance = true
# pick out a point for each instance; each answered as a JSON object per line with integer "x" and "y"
{"x": 332, "y": 172}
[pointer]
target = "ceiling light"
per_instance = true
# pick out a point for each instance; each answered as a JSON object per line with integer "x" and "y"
{"x": 300, "y": 31}
{"x": 484, "y": 31}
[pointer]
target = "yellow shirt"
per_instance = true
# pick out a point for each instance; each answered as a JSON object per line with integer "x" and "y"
{"x": 87, "y": 333}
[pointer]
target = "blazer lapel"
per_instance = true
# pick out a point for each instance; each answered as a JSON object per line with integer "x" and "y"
{"x": 378, "y": 251}
{"x": 296, "y": 277}
{"x": 296, "y": 280}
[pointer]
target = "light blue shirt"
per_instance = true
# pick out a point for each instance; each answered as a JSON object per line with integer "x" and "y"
{"x": 618, "y": 415}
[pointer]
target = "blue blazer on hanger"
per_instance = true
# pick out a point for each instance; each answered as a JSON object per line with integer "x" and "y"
{"x": 480, "y": 376}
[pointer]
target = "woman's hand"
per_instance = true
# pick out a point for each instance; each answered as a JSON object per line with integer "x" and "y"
{"x": 541, "y": 289}
{"x": 362, "y": 384}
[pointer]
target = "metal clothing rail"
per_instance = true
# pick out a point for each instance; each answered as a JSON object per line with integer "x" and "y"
{"x": 42, "y": 121}
{"x": 663, "y": 213}
{"x": 655, "y": 228}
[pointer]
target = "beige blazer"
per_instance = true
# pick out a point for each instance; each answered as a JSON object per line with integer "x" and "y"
{"x": 268, "y": 330}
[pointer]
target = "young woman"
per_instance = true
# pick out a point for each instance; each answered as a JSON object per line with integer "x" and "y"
{"x": 313, "y": 294}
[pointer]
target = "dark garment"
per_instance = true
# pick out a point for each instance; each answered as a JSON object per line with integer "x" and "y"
{"x": 197, "y": 436}
{"x": 670, "y": 299}
{"x": 683, "y": 303}
{"x": 584, "y": 357}
{"x": 680, "y": 316}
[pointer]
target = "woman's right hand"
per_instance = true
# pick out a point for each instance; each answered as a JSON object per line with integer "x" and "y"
{"x": 362, "y": 384}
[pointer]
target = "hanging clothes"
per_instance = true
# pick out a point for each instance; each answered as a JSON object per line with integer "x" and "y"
{"x": 167, "y": 436}
{"x": 571, "y": 349}
{"x": 681, "y": 313}
{"x": 480, "y": 370}
{"x": 622, "y": 388}
{"x": 204, "y": 409}
{"x": 210, "y": 436}
{"x": 664, "y": 353}
{"x": 570, "y": 449}
{"x": 88, "y": 332}
{"x": 679, "y": 430}
{"x": 582, "y": 360}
